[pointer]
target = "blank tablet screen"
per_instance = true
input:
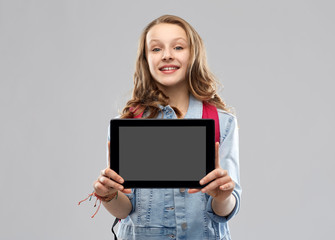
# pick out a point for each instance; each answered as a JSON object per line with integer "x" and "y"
{"x": 162, "y": 153}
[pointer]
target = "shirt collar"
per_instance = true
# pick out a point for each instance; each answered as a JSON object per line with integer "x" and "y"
{"x": 194, "y": 108}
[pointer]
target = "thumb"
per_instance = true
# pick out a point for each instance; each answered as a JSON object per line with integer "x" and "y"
{"x": 217, "y": 157}
{"x": 109, "y": 155}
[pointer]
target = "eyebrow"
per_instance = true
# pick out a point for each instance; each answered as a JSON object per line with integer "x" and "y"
{"x": 174, "y": 40}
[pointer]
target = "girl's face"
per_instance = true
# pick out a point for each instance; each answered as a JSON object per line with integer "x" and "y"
{"x": 168, "y": 54}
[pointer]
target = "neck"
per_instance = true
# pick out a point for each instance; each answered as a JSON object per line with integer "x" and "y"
{"x": 178, "y": 97}
{"x": 180, "y": 100}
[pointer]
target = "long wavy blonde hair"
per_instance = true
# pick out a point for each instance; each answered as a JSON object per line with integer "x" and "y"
{"x": 201, "y": 82}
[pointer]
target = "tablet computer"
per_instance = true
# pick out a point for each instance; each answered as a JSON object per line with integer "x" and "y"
{"x": 162, "y": 153}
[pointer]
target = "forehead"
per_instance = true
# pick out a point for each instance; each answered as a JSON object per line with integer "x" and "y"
{"x": 166, "y": 32}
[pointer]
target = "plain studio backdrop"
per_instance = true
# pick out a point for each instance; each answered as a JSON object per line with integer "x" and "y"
{"x": 66, "y": 69}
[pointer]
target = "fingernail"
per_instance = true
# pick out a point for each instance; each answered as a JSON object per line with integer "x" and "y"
{"x": 121, "y": 180}
{"x": 202, "y": 182}
{"x": 101, "y": 179}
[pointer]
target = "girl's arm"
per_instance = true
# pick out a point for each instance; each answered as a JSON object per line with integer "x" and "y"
{"x": 225, "y": 207}
{"x": 120, "y": 207}
{"x": 108, "y": 183}
{"x": 220, "y": 188}
{"x": 225, "y": 189}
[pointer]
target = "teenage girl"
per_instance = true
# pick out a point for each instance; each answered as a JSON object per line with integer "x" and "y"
{"x": 172, "y": 80}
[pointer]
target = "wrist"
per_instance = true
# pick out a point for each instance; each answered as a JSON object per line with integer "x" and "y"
{"x": 229, "y": 201}
{"x": 108, "y": 198}
{"x": 223, "y": 207}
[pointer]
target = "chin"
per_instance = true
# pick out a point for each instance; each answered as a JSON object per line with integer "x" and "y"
{"x": 168, "y": 84}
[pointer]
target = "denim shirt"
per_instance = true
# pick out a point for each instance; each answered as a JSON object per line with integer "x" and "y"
{"x": 176, "y": 214}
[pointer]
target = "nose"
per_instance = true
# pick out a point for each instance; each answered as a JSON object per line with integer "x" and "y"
{"x": 167, "y": 55}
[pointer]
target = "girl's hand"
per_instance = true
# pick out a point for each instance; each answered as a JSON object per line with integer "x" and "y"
{"x": 221, "y": 186}
{"x": 109, "y": 182}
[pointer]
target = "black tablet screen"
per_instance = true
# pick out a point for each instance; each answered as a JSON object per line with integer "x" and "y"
{"x": 159, "y": 153}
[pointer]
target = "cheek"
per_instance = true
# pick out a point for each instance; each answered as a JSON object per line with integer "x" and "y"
{"x": 152, "y": 62}
{"x": 151, "y": 65}
{"x": 186, "y": 58}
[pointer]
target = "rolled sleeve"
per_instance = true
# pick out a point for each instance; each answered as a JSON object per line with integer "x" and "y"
{"x": 221, "y": 219}
{"x": 132, "y": 198}
{"x": 229, "y": 160}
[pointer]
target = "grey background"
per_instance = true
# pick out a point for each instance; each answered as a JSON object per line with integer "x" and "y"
{"x": 66, "y": 69}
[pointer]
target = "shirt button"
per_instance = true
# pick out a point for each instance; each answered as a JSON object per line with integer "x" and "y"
{"x": 182, "y": 190}
{"x": 184, "y": 226}
{"x": 172, "y": 236}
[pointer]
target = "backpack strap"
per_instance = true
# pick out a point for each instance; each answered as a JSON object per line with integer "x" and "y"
{"x": 210, "y": 112}
{"x": 114, "y": 224}
{"x": 139, "y": 115}
{"x": 134, "y": 110}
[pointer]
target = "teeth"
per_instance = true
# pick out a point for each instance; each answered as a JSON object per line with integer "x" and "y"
{"x": 169, "y": 68}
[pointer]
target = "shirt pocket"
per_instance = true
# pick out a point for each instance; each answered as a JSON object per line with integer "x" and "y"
{"x": 149, "y": 207}
{"x": 144, "y": 201}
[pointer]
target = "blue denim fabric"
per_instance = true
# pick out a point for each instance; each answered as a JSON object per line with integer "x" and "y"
{"x": 174, "y": 213}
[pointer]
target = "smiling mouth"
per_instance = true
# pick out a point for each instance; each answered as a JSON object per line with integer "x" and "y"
{"x": 169, "y": 68}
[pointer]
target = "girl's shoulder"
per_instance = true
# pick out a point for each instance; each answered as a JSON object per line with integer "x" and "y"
{"x": 224, "y": 115}
{"x": 228, "y": 123}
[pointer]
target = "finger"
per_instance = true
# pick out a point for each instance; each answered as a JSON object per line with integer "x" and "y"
{"x": 100, "y": 189}
{"x": 217, "y": 183}
{"x": 216, "y": 173}
{"x": 217, "y": 157}
{"x": 227, "y": 186}
{"x": 103, "y": 172}
{"x": 110, "y": 183}
{"x": 109, "y": 173}
{"x": 126, "y": 190}
{"x": 194, "y": 190}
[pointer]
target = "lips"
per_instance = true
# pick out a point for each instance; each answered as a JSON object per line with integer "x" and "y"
{"x": 169, "y": 68}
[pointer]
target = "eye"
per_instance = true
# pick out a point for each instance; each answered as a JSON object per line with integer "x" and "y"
{"x": 156, "y": 49}
{"x": 179, "y": 48}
